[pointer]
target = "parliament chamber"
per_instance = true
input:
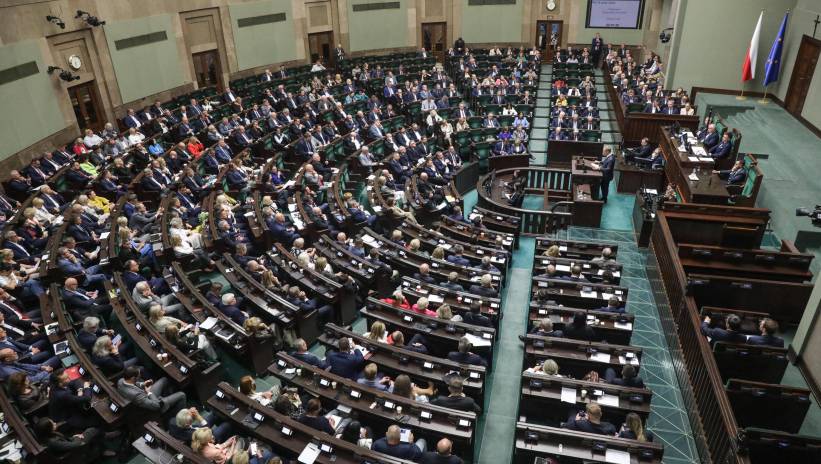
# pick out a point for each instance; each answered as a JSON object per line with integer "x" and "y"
{"x": 433, "y": 231}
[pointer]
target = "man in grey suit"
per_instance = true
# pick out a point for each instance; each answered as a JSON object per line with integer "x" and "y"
{"x": 144, "y": 297}
{"x": 148, "y": 395}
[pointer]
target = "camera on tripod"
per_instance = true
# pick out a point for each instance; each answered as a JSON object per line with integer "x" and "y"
{"x": 813, "y": 214}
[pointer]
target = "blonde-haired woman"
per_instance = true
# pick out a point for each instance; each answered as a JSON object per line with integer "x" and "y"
{"x": 445, "y": 313}
{"x": 202, "y": 442}
{"x": 378, "y": 332}
{"x": 41, "y": 213}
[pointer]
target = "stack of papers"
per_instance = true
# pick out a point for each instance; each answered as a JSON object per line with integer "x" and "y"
{"x": 608, "y": 400}
{"x": 600, "y": 357}
{"x": 615, "y": 456}
{"x": 477, "y": 341}
{"x": 568, "y": 395}
{"x": 590, "y": 294}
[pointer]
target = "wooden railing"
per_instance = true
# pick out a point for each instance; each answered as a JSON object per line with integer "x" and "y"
{"x": 711, "y": 415}
{"x": 539, "y": 180}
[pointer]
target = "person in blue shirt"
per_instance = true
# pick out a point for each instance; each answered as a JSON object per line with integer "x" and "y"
{"x": 457, "y": 258}
{"x": 10, "y": 363}
{"x": 369, "y": 378}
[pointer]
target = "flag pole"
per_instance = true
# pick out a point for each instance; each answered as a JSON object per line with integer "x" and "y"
{"x": 764, "y": 100}
{"x": 741, "y": 97}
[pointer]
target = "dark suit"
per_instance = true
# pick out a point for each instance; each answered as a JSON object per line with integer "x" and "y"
{"x": 467, "y": 358}
{"x": 346, "y": 365}
{"x": 768, "y": 340}
{"x": 718, "y": 334}
{"x": 607, "y": 166}
{"x": 721, "y": 151}
{"x": 460, "y": 403}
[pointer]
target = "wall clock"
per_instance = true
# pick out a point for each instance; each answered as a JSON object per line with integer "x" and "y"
{"x": 75, "y": 62}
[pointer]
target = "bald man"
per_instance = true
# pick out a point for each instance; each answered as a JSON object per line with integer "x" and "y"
{"x": 392, "y": 445}
{"x": 83, "y": 304}
{"x": 442, "y": 455}
{"x": 10, "y": 364}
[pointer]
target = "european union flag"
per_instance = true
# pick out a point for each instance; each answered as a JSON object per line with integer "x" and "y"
{"x": 773, "y": 65}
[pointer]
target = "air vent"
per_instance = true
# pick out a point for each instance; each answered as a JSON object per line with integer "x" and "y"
{"x": 258, "y": 20}
{"x": 139, "y": 40}
{"x": 490, "y": 2}
{"x": 18, "y": 72}
{"x": 376, "y": 6}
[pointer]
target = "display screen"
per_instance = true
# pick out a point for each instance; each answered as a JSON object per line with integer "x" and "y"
{"x": 614, "y": 14}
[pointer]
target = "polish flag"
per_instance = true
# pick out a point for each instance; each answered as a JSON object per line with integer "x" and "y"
{"x": 748, "y": 71}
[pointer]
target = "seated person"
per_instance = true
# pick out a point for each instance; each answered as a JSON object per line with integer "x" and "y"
{"x": 10, "y": 364}
{"x": 403, "y": 387}
{"x": 629, "y": 377}
{"x": 722, "y": 150}
{"x": 313, "y": 417}
{"x": 576, "y": 274}
{"x": 346, "y": 361}
{"x": 654, "y": 161}
{"x": 248, "y": 387}
{"x": 579, "y": 330}
{"x": 203, "y": 443}
{"x": 442, "y": 455}
{"x": 613, "y": 305}
{"x": 590, "y": 421}
{"x": 149, "y": 395}
{"x": 369, "y": 378}
{"x": 301, "y": 352}
{"x": 187, "y": 421}
{"x": 456, "y": 398}
{"x": 89, "y": 442}
{"x": 731, "y": 333}
{"x": 485, "y": 288}
{"x": 605, "y": 259}
{"x": 392, "y": 445}
{"x": 453, "y": 282}
{"x": 424, "y": 274}
{"x": 464, "y": 355}
{"x": 736, "y": 175}
{"x": 633, "y": 429}
{"x": 546, "y": 367}
{"x": 421, "y": 307}
{"x": 475, "y": 316}
{"x": 417, "y": 343}
{"x": 768, "y": 329}
{"x": 544, "y": 328}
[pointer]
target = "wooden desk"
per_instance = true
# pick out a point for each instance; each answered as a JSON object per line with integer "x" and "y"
{"x": 576, "y": 358}
{"x": 442, "y": 339}
{"x": 534, "y": 441}
{"x": 159, "y": 447}
{"x": 333, "y": 389}
{"x": 288, "y": 436}
{"x": 459, "y": 302}
{"x": 632, "y": 177}
{"x": 760, "y": 264}
{"x": 542, "y": 399}
{"x": 586, "y": 209}
{"x": 709, "y": 188}
{"x": 754, "y": 402}
{"x": 576, "y": 248}
{"x": 418, "y": 365}
{"x": 613, "y": 327}
{"x": 570, "y": 292}
{"x": 561, "y": 152}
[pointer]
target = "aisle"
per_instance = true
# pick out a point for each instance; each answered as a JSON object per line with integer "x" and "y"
{"x": 496, "y": 434}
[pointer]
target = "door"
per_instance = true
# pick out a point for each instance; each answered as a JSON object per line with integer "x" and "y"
{"x": 207, "y": 69}
{"x": 802, "y": 72}
{"x": 549, "y": 37}
{"x": 86, "y": 103}
{"x": 434, "y": 39}
{"x": 321, "y": 45}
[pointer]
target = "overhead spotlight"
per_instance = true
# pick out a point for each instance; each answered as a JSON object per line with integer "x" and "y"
{"x": 56, "y": 20}
{"x": 64, "y": 75}
{"x": 665, "y": 35}
{"x": 92, "y": 21}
